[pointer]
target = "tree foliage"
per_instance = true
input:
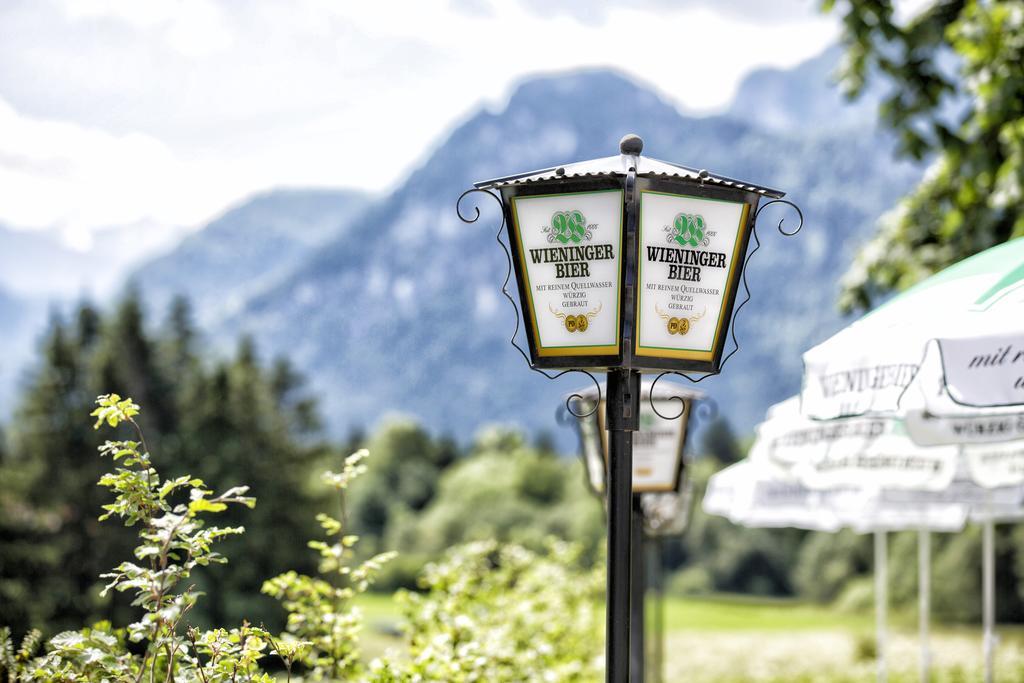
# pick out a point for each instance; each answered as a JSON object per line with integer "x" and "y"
{"x": 409, "y": 463}
{"x": 956, "y": 72}
{"x": 719, "y": 442}
{"x": 174, "y": 539}
{"x": 233, "y": 419}
{"x": 719, "y": 555}
{"x": 424, "y": 495}
{"x": 508, "y": 491}
{"x": 828, "y": 562}
{"x": 218, "y": 419}
{"x": 490, "y": 612}
{"x": 504, "y": 613}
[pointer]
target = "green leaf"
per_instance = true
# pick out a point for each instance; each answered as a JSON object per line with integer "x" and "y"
{"x": 204, "y": 505}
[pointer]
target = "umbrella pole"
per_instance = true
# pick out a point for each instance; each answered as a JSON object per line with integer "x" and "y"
{"x": 924, "y": 596}
{"x": 881, "y": 601}
{"x": 988, "y": 580}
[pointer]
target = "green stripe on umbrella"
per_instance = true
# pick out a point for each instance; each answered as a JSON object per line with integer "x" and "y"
{"x": 1005, "y": 258}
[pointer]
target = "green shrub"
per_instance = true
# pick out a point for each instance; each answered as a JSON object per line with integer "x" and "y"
{"x": 173, "y": 540}
{"x": 489, "y": 612}
{"x": 507, "y": 491}
{"x": 691, "y": 581}
{"x": 857, "y": 596}
{"x": 504, "y": 613}
{"x": 826, "y": 562}
{"x": 402, "y": 572}
{"x": 865, "y": 648}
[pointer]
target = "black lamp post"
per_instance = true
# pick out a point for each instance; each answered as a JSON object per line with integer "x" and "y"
{"x": 625, "y": 264}
{"x": 660, "y": 487}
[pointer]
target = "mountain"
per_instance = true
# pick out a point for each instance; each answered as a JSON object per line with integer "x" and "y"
{"x": 243, "y": 250}
{"x": 402, "y": 311}
{"x": 806, "y": 97}
{"x": 393, "y": 304}
{"x": 247, "y": 249}
{"x": 41, "y": 272}
{"x": 12, "y": 312}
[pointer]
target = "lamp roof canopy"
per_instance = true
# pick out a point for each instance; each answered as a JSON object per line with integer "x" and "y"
{"x": 620, "y": 164}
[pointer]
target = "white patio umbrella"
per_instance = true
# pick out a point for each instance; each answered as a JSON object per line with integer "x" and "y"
{"x": 753, "y": 494}
{"x": 988, "y": 514}
{"x": 878, "y": 453}
{"x": 954, "y": 344}
{"x": 946, "y": 356}
{"x": 986, "y": 506}
{"x": 748, "y": 494}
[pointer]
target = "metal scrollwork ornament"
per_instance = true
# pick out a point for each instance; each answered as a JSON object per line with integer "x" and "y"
{"x": 465, "y": 218}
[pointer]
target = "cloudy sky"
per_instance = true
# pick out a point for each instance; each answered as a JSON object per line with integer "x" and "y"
{"x": 164, "y": 111}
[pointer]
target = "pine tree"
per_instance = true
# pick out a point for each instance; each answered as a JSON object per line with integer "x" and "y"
{"x": 237, "y": 428}
{"x": 57, "y": 490}
{"x": 228, "y": 421}
{"x": 177, "y": 345}
{"x": 126, "y": 362}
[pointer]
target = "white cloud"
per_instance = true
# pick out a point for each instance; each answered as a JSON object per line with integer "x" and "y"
{"x": 58, "y": 174}
{"x": 486, "y": 303}
{"x": 195, "y": 28}
{"x": 404, "y": 288}
{"x": 118, "y": 110}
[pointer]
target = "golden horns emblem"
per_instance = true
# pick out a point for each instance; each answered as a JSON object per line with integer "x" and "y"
{"x": 679, "y": 325}
{"x": 578, "y": 322}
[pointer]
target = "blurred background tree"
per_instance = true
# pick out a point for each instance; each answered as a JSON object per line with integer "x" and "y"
{"x": 719, "y": 442}
{"x": 716, "y": 555}
{"x": 956, "y": 77}
{"x": 827, "y": 562}
{"x": 239, "y": 419}
{"x": 53, "y": 478}
{"x": 424, "y": 495}
{"x": 508, "y": 491}
{"x": 223, "y": 420}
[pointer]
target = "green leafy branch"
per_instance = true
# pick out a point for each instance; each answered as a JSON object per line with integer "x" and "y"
{"x": 323, "y": 624}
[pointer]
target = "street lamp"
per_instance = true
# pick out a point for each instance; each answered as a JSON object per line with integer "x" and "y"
{"x": 625, "y": 264}
{"x": 658, "y": 445}
{"x": 662, "y": 494}
{"x": 668, "y": 514}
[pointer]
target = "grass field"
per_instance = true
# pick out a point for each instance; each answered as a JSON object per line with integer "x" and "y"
{"x": 729, "y": 639}
{"x": 718, "y": 613}
{"x": 743, "y": 613}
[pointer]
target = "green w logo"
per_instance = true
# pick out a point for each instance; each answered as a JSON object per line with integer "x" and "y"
{"x": 568, "y": 226}
{"x": 688, "y": 229}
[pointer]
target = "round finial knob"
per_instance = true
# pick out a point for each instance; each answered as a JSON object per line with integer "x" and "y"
{"x": 631, "y": 144}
